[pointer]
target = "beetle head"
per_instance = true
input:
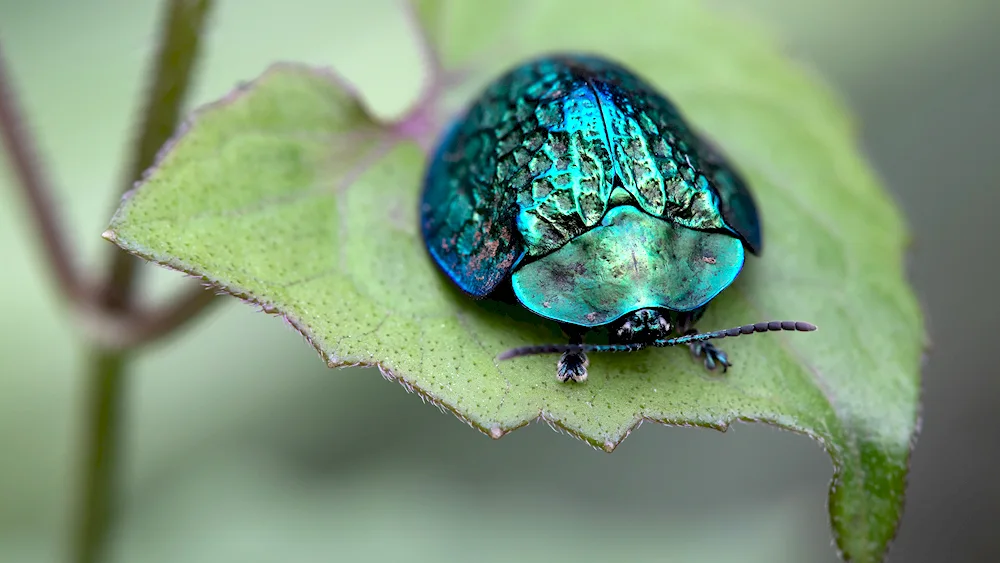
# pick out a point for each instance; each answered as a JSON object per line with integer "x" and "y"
{"x": 644, "y": 325}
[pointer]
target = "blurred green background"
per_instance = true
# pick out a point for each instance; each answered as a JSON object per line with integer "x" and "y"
{"x": 243, "y": 446}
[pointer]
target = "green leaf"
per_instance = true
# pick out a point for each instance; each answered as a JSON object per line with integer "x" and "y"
{"x": 288, "y": 195}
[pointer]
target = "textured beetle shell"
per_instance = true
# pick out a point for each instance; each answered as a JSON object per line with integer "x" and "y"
{"x": 533, "y": 163}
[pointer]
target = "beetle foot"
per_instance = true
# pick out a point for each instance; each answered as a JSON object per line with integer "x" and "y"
{"x": 572, "y": 365}
{"x": 713, "y": 356}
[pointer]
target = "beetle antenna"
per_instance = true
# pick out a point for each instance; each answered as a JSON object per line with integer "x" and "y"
{"x": 772, "y": 326}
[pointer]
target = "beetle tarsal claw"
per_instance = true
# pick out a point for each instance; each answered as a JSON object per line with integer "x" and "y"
{"x": 713, "y": 357}
{"x": 572, "y": 365}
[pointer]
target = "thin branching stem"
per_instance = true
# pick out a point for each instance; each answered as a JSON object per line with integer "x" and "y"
{"x": 31, "y": 177}
{"x": 143, "y": 325}
{"x": 148, "y": 326}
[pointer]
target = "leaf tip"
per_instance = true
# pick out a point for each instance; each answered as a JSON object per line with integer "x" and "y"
{"x": 109, "y": 235}
{"x": 609, "y": 446}
{"x": 496, "y": 433}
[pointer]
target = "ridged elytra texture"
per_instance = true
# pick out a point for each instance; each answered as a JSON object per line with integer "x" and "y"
{"x": 540, "y": 157}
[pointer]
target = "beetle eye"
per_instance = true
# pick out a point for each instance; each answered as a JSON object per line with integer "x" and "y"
{"x": 625, "y": 329}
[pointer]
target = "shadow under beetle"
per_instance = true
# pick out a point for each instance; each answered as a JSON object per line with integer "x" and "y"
{"x": 575, "y": 182}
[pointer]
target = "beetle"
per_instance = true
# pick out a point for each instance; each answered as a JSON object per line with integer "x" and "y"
{"x": 576, "y": 184}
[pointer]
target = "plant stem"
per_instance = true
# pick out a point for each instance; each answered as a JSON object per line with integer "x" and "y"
{"x": 147, "y": 326}
{"x": 104, "y": 392}
{"x": 143, "y": 325}
{"x": 36, "y": 186}
{"x": 183, "y": 22}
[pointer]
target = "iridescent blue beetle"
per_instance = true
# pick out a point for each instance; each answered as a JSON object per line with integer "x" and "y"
{"x": 576, "y": 183}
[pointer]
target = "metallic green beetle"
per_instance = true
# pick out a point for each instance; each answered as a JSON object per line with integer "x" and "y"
{"x": 576, "y": 182}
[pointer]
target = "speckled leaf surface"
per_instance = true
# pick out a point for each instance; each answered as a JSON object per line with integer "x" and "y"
{"x": 289, "y": 195}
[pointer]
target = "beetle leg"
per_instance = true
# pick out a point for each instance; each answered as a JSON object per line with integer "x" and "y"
{"x": 573, "y": 365}
{"x": 712, "y": 356}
